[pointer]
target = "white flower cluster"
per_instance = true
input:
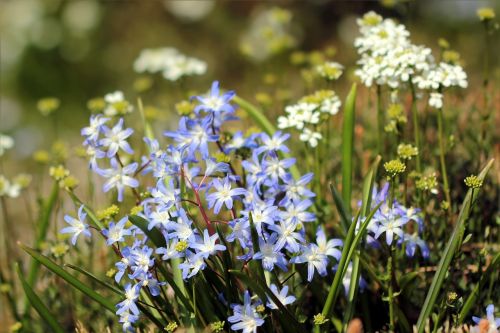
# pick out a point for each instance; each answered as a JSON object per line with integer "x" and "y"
{"x": 389, "y": 58}
{"x": 311, "y": 110}
{"x": 6, "y": 143}
{"x": 12, "y": 188}
{"x": 170, "y": 62}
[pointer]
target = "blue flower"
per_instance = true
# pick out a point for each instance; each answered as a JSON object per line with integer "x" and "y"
{"x": 287, "y": 235}
{"x": 182, "y": 228}
{"x": 315, "y": 260}
{"x": 119, "y": 177}
{"x": 274, "y": 143}
{"x": 270, "y": 254}
{"x": 131, "y": 296}
{"x": 282, "y": 295}
{"x": 223, "y": 194}
{"x": 412, "y": 242}
{"x": 192, "y": 265}
{"x": 127, "y": 319}
{"x": 276, "y": 168}
{"x": 215, "y": 102}
{"x": 116, "y": 138}
{"x": 142, "y": 261}
{"x": 297, "y": 212}
{"x": 329, "y": 248}
{"x": 92, "y": 132}
{"x": 207, "y": 247}
{"x": 488, "y": 324}
{"x": 245, "y": 317}
{"x": 77, "y": 226}
{"x": 295, "y": 189}
{"x": 390, "y": 222}
{"x": 115, "y": 232}
{"x": 194, "y": 135}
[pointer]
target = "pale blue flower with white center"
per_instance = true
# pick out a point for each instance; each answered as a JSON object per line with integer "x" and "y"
{"x": 192, "y": 265}
{"x": 315, "y": 260}
{"x": 275, "y": 168}
{"x": 182, "y": 229}
{"x": 169, "y": 252}
{"x": 123, "y": 264}
{"x": 490, "y": 324}
{"x": 330, "y": 247}
{"x": 95, "y": 128}
{"x": 240, "y": 230}
{"x": 119, "y": 177}
{"x": 282, "y": 296}
{"x": 93, "y": 153}
{"x": 274, "y": 143}
{"x": 253, "y": 169}
{"x": 214, "y": 102}
{"x": 297, "y": 212}
{"x": 287, "y": 235}
{"x": 262, "y": 212}
{"x": 142, "y": 261}
{"x": 270, "y": 254}
{"x": 127, "y": 319}
{"x": 131, "y": 296}
{"x": 208, "y": 245}
{"x": 391, "y": 223}
{"x": 213, "y": 166}
{"x": 116, "y": 138}
{"x": 115, "y": 232}
{"x": 77, "y": 226}
{"x": 412, "y": 241}
{"x": 158, "y": 217}
{"x": 296, "y": 189}
{"x": 245, "y": 317}
{"x": 412, "y": 213}
{"x": 223, "y": 194}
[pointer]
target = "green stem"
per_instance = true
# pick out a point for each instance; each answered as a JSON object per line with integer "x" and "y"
{"x": 442, "y": 152}
{"x": 416, "y": 131}
{"x": 391, "y": 292}
{"x": 380, "y": 121}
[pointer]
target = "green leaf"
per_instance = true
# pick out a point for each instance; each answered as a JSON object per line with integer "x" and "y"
{"x": 474, "y": 295}
{"x": 154, "y": 234}
{"x": 38, "y": 305}
{"x": 449, "y": 252}
{"x": 105, "y": 302}
{"x": 345, "y": 218}
{"x": 96, "y": 279}
{"x": 368, "y": 184}
{"x": 255, "y": 264}
{"x": 43, "y": 223}
{"x": 347, "y": 146}
{"x": 257, "y": 115}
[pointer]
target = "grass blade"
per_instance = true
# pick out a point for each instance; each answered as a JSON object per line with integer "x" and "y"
{"x": 38, "y": 305}
{"x": 471, "y": 300}
{"x": 345, "y": 218}
{"x": 451, "y": 247}
{"x": 105, "y": 302}
{"x": 347, "y": 146}
{"x": 257, "y": 115}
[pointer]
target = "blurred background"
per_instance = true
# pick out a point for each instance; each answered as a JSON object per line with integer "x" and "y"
{"x": 77, "y": 50}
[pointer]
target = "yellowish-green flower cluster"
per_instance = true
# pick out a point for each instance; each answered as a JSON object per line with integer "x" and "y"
{"x": 48, "y": 105}
{"x": 108, "y": 213}
{"x": 473, "y": 181}
{"x": 407, "y": 151}
{"x": 172, "y": 326}
{"x": 181, "y": 246}
{"x": 184, "y": 108}
{"x": 396, "y": 115}
{"x": 96, "y": 105}
{"x": 427, "y": 183}
{"x": 330, "y": 70}
{"x": 59, "y": 249}
{"x": 217, "y": 326}
{"x": 486, "y": 13}
{"x": 394, "y": 167}
{"x": 320, "y": 319}
{"x": 58, "y": 172}
{"x": 143, "y": 83}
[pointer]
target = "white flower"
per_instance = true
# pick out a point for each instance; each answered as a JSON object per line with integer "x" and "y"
{"x": 6, "y": 142}
{"x": 170, "y": 62}
{"x": 436, "y": 100}
{"x": 116, "y": 104}
{"x": 310, "y": 137}
{"x": 8, "y": 189}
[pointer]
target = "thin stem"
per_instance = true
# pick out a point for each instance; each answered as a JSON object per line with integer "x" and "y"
{"x": 391, "y": 292}
{"x": 416, "y": 131}
{"x": 380, "y": 120}
{"x": 442, "y": 152}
